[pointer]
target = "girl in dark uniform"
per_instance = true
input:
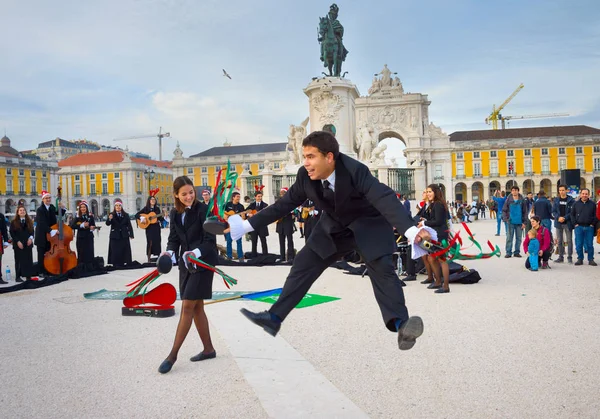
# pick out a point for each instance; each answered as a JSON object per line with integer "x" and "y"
{"x": 153, "y": 241}
{"x": 436, "y": 217}
{"x": 21, "y": 231}
{"x": 187, "y": 236}
{"x": 84, "y": 224}
{"x": 119, "y": 248}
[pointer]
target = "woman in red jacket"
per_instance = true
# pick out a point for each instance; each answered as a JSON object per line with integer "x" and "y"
{"x": 543, "y": 236}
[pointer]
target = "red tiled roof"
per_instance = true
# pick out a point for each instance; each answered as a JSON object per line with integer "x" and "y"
{"x": 105, "y": 157}
{"x": 3, "y": 154}
{"x": 564, "y": 131}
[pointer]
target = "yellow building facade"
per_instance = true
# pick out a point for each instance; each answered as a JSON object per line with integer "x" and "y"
{"x": 531, "y": 158}
{"x": 101, "y": 178}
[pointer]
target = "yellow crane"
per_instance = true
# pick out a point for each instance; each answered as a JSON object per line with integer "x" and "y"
{"x": 506, "y": 119}
{"x": 160, "y": 136}
{"x": 495, "y": 116}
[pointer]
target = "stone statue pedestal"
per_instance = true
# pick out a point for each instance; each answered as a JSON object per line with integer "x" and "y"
{"x": 331, "y": 101}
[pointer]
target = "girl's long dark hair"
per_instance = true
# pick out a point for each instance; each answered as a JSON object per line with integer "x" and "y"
{"x": 16, "y": 222}
{"x": 438, "y": 195}
{"x": 178, "y": 183}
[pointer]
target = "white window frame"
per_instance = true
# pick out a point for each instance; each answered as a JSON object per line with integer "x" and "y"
{"x": 459, "y": 155}
{"x": 460, "y": 169}
{"x": 579, "y": 163}
{"x": 476, "y": 155}
{"x": 204, "y": 180}
{"x": 92, "y": 189}
{"x": 544, "y": 151}
{"x": 493, "y": 154}
{"x": 528, "y": 166}
{"x": 476, "y": 169}
{"x": 77, "y": 189}
{"x": 190, "y": 170}
{"x": 204, "y": 170}
{"x": 510, "y": 153}
{"x": 527, "y": 152}
{"x": 579, "y": 150}
{"x": 562, "y": 164}
{"x": 545, "y": 165}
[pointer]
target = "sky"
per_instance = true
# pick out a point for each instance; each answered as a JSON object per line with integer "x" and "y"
{"x": 121, "y": 68}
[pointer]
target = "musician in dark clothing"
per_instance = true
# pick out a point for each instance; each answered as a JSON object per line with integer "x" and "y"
{"x": 3, "y": 243}
{"x": 285, "y": 229}
{"x": 262, "y": 232}
{"x": 84, "y": 225}
{"x": 235, "y": 207}
{"x": 119, "y": 248}
{"x": 45, "y": 218}
{"x": 153, "y": 239}
{"x": 311, "y": 219}
{"x": 21, "y": 232}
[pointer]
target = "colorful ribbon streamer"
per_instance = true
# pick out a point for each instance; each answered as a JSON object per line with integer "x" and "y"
{"x": 453, "y": 249}
{"x": 228, "y": 280}
{"x": 140, "y": 286}
{"x": 223, "y": 192}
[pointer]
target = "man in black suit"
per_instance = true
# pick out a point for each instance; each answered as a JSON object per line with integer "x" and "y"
{"x": 358, "y": 214}
{"x": 45, "y": 217}
{"x": 263, "y": 230}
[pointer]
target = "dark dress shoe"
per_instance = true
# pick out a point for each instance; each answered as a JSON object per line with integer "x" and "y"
{"x": 408, "y": 333}
{"x": 427, "y": 281}
{"x": 18, "y": 280}
{"x": 202, "y": 356}
{"x": 264, "y": 320}
{"x": 517, "y": 255}
{"x": 165, "y": 367}
{"x": 3, "y": 282}
{"x": 434, "y": 287}
{"x": 507, "y": 256}
{"x": 410, "y": 278}
{"x": 442, "y": 291}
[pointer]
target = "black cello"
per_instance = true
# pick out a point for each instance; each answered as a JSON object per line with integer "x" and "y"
{"x": 60, "y": 258}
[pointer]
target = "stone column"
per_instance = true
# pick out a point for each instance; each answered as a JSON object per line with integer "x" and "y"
{"x": 331, "y": 101}
{"x": 267, "y": 180}
{"x": 382, "y": 174}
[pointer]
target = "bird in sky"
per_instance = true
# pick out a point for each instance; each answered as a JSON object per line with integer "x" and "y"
{"x": 226, "y": 75}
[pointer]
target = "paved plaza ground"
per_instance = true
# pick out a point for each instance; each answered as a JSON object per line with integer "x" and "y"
{"x": 518, "y": 344}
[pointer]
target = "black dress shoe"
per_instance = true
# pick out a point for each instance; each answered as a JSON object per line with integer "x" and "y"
{"x": 202, "y": 356}
{"x": 3, "y": 282}
{"x": 434, "y": 287}
{"x": 410, "y": 278}
{"x": 427, "y": 281}
{"x": 517, "y": 255}
{"x": 442, "y": 291}
{"x": 408, "y": 333}
{"x": 264, "y": 320}
{"x": 165, "y": 367}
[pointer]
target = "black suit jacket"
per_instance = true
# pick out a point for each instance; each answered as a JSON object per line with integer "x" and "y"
{"x": 44, "y": 219}
{"x": 262, "y": 230}
{"x": 83, "y": 233}
{"x": 363, "y": 205}
{"x": 120, "y": 227}
{"x": 183, "y": 238}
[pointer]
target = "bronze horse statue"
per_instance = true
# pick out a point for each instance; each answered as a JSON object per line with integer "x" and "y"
{"x": 333, "y": 52}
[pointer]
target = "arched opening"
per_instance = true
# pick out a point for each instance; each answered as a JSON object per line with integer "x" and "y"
{"x": 392, "y": 148}
{"x": 106, "y": 209}
{"x": 493, "y": 187}
{"x": 528, "y": 186}
{"x": 460, "y": 192}
{"x": 510, "y": 184}
{"x": 138, "y": 204}
{"x": 582, "y": 183}
{"x": 94, "y": 207}
{"x": 477, "y": 192}
{"x": 8, "y": 206}
{"x": 546, "y": 186}
{"x": 595, "y": 187}
{"x": 33, "y": 205}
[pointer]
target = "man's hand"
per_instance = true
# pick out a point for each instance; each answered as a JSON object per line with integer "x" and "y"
{"x": 423, "y": 235}
{"x": 561, "y": 219}
{"x": 523, "y": 226}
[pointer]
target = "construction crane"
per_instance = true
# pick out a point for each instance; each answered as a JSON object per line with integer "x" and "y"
{"x": 547, "y": 115}
{"x": 495, "y": 116}
{"x": 160, "y": 136}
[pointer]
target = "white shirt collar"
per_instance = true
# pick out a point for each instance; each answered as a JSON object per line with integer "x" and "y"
{"x": 331, "y": 180}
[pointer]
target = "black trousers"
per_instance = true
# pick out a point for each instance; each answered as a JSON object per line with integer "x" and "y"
{"x": 263, "y": 243}
{"x": 41, "y": 251}
{"x": 290, "y": 240}
{"x": 308, "y": 266}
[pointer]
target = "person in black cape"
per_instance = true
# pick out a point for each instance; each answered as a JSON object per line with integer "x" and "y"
{"x": 45, "y": 218}
{"x": 3, "y": 243}
{"x": 153, "y": 239}
{"x": 358, "y": 214}
{"x": 21, "y": 231}
{"x": 285, "y": 229}
{"x": 84, "y": 225}
{"x": 187, "y": 236}
{"x": 119, "y": 248}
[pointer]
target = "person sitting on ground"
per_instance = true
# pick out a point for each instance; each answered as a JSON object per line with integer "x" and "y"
{"x": 543, "y": 237}
{"x": 533, "y": 249}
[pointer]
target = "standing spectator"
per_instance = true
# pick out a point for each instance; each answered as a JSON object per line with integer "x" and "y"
{"x": 492, "y": 206}
{"x": 545, "y": 243}
{"x": 583, "y": 216}
{"x": 153, "y": 238}
{"x": 500, "y": 199}
{"x": 235, "y": 207}
{"x": 514, "y": 213}
{"x": 543, "y": 209}
{"x": 262, "y": 233}
{"x": 482, "y": 209}
{"x": 406, "y": 204}
{"x": 561, "y": 212}
{"x": 285, "y": 230}
{"x": 21, "y": 232}
{"x": 119, "y": 248}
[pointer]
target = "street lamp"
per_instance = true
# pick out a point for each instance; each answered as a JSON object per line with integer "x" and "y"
{"x": 149, "y": 174}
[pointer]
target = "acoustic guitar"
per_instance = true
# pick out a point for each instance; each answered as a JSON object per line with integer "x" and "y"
{"x": 241, "y": 214}
{"x": 151, "y": 218}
